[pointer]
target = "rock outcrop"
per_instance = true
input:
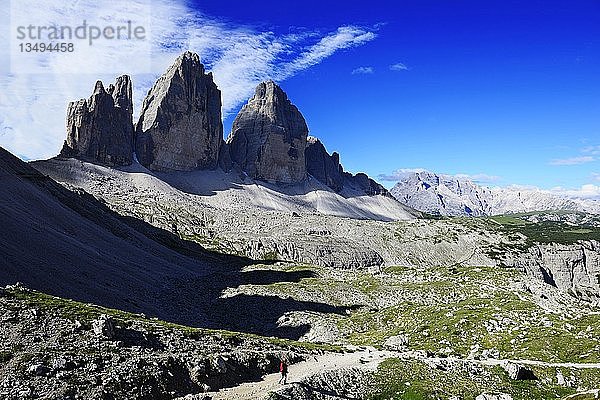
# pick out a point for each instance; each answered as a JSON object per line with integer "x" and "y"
{"x": 322, "y": 166}
{"x": 100, "y": 129}
{"x": 443, "y": 194}
{"x": 268, "y": 137}
{"x": 327, "y": 169}
{"x": 364, "y": 184}
{"x": 180, "y": 127}
{"x": 574, "y": 268}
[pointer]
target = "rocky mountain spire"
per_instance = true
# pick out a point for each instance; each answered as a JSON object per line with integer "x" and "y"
{"x": 322, "y": 166}
{"x": 268, "y": 137}
{"x": 100, "y": 129}
{"x": 327, "y": 169}
{"x": 180, "y": 127}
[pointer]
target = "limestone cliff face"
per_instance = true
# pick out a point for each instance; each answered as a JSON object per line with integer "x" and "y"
{"x": 322, "y": 166}
{"x": 180, "y": 127}
{"x": 574, "y": 268}
{"x": 268, "y": 137}
{"x": 100, "y": 129}
{"x": 327, "y": 169}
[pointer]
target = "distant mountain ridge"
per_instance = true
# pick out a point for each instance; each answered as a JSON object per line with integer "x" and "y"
{"x": 448, "y": 195}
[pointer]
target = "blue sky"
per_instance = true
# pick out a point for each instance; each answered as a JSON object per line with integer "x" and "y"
{"x": 500, "y": 88}
{"x": 506, "y": 92}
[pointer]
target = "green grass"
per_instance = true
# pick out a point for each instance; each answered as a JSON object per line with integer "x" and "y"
{"x": 413, "y": 380}
{"x": 452, "y": 310}
{"x": 546, "y": 231}
{"x": 457, "y": 327}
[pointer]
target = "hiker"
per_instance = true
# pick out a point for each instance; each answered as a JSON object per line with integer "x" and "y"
{"x": 283, "y": 368}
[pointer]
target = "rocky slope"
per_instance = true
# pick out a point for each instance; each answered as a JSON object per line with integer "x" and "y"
{"x": 100, "y": 129}
{"x": 180, "y": 126}
{"x": 259, "y": 224}
{"x": 126, "y": 356}
{"x": 268, "y": 137}
{"x": 70, "y": 244}
{"x": 573, "y": 268}
{"x": 452, "y": 196}
{"x": 230, "y": 214}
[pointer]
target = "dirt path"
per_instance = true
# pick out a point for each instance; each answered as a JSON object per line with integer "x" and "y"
{"x": 494, "y": 361}
{"x": 368, "y": 359}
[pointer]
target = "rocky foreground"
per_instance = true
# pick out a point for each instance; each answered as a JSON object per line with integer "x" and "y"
{"x": 59, "y": 349}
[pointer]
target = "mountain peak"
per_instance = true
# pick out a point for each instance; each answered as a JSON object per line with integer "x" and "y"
{"x": 100, "y": 129}
{"x": 450, "y": 195}
{"x": 180, "y": 126}
{"x": 268, "y": 137}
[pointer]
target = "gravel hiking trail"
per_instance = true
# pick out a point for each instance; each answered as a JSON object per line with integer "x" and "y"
{"x": 368, "y": 358}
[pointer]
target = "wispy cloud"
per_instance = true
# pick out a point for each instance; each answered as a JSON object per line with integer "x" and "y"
{"x": 572, "y": 160}
{"x": 596, "y": 176}
{"x": 32, "y": 106}
{"x": 363, "y": 70}
{"x": 399, "y": 67}
{"x": 343, "y": 38}
{"x": 594, "y": 150}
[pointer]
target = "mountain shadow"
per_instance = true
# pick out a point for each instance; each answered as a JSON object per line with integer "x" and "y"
{"x": 69, "y": 244}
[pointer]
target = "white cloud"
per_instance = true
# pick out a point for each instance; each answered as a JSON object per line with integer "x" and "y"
{"x": 400, "y": 174}
{"x": 33, "y": 106}
{"x": 588, "y": 191}
{"x": 596, "y": 176}
{"x": 479, "y": 178}
{"x": 344, "y": 38}
{"x": 573, "y": 160}
{"x": 399, "y": 67}
{"x": 363, "y": 70}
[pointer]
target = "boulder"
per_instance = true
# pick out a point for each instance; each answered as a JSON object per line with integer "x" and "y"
{"x": 39, "y": 370}
{"x": 396, "y": 343}
{"x": 100, "y": 129}
{"x": 218, "y": 364}
{"x": 268, "y": 137}
{"x": 104, "y": 327}
{"x": 180, "y": 127}
{"x": 494, "y": 396}
{"x": 518, "y": 372}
